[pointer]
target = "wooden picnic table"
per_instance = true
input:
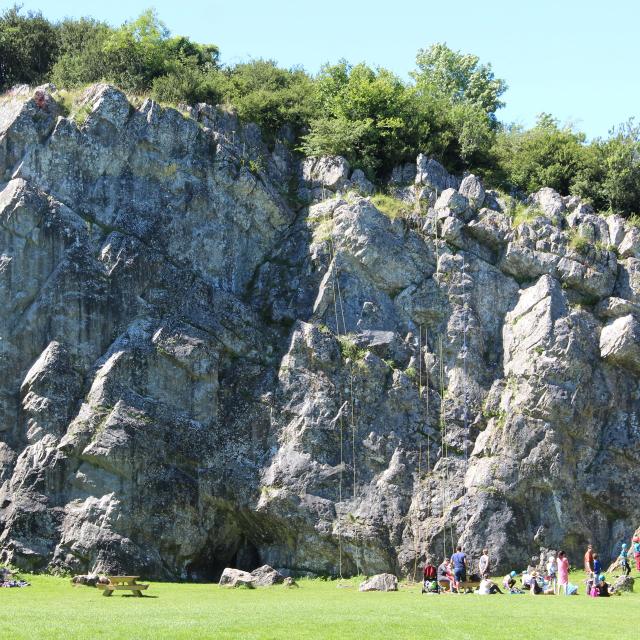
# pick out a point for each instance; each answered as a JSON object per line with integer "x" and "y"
{"x": 120, "y": 583}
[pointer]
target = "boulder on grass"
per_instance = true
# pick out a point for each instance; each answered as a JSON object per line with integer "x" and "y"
{"x": 236, "y": 578}
{"x": 380, "y": 582}
{"x": 623, "y": 583}
{"x": 266, "y": 576}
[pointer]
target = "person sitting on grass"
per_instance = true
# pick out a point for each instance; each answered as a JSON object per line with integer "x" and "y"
{"x": 603, "y": 587}
{"x": 600, "y": 587}
{"x": 535, "y": 588}
{"x": 509, "y": 581}
{"x": 488, "y": 587}
{"x": 444, "y": 575}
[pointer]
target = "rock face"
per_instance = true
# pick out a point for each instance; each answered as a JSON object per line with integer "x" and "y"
{"x": 380, "y": 582}
{"x": 198, "y": 373}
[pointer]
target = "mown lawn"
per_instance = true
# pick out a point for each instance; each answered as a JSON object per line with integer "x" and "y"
{"x": 52, "y": 608}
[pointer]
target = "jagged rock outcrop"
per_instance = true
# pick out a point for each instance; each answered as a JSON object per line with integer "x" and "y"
{"x": 213, "y": 354}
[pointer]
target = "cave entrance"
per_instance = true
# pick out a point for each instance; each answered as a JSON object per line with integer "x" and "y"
{"x": 214, "y": 559}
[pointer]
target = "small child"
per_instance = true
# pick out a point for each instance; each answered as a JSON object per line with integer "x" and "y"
{"x": 623, "y": 559}
{"x": 636, "y": 552}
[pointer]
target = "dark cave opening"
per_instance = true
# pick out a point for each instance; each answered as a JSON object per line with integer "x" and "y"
{"x": 214, "y": 559}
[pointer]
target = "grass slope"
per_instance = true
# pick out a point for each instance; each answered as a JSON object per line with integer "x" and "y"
{"x": 51, "y": 608}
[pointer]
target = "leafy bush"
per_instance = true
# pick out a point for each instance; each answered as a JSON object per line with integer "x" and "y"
{"x": 545, "y": 156}
{"x": 365, "y": 116}
{"x": 28, "y": 48}
{"x": 370, "y": 116}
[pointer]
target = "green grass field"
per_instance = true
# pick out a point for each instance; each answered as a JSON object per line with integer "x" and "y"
{"x": 52, "y": 608}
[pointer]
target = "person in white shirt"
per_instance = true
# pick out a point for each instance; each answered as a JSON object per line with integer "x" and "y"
{"x": 552, "y": 573}
{"x": 488, "y": 588}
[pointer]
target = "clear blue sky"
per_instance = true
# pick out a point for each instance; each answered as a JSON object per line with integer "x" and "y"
{"x": 577, "y": 59}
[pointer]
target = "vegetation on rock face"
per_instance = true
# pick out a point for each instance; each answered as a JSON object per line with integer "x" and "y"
{"x": 370, "y": 116}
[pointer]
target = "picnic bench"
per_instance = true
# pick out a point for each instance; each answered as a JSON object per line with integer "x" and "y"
{"x": 123, "y": 583}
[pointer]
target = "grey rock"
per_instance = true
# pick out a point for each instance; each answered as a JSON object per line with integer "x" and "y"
{"x": 616, "y": 229}
{"x": 620, "y": 343}
{"x": 430, "y": 173}
{"x": 330, "y": 172}
{"x": 452, "y": 231}
{"x": 630, "y": 245}
{"x": 452, "y": 201}
{"x": 266, "y": 576}
{"x": 403, "y": 174}
{"x": 471, "y": 187}
{"x": 549, "y": 201}
{"x": 236, "y": 578}
{"x": 614, "y": 307}
{"x": 491, "y": 228}
{"x": 360, "y": 183}
{"x": 623, "y": 584}
{"x": 380, "y": 582}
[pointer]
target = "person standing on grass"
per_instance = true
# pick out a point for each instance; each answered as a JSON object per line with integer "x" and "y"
{"x": 636, "y": 552}
{"x": 588, "y": 560}
{"x": 563, "y": 571}
{"x": 552, "y": 573}
{"x": 459, "y": 560}
{"x": 623, "y": 559}
{"x": 483, "y": 564}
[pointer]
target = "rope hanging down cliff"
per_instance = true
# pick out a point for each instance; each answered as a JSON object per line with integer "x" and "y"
{"x": 339, "y": 304}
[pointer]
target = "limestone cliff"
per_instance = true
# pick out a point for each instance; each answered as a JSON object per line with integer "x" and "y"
{"x": 197, "y": 372}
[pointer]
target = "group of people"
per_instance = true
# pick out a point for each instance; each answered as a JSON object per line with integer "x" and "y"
{"x": 623, "y": 558}
{"x": 552, "y": 579}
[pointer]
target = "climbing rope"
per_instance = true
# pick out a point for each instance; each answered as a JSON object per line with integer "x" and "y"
{"x": 463, "y": 355}
{"x": 339, "y": 306}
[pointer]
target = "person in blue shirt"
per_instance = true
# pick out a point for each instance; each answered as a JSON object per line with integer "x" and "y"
{"x": 459, "y": 561}
{"x": 623, "y": 559}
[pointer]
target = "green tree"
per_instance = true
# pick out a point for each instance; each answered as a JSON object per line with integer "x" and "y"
{"x": 270, "y": 96}
{"x": 457, "y": 98}
{"x": 460, "y": 77}
{"x": 81, "y": 59}
{"x": 610, "y": 178}
{"x": 365, "y": 115}
{"x": 547, "y": 155}
{"x": 28, "y": 47}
